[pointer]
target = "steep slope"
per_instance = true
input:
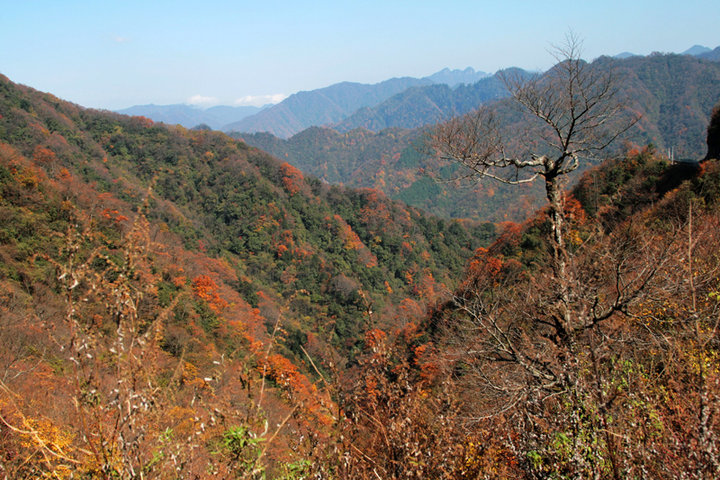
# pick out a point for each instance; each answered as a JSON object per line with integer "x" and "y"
{"x": 320, "y": 107}
{"x": 682, "y": 88}
{"x": 499, "y": 383}
{"x": 197, "y": 281}
{"x": 222, "y": 197}
{"x": 674, "y": 95}
{"x": 394, "y": 161}
{"x": 351, "y": 158}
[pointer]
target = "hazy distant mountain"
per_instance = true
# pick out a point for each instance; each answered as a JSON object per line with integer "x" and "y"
{"x": 333, "y": 104}
{"x": 624, "y": 55}
{"x": 322, "y": 106}
{"x": 713, "y": 55}
{"x": 426, "y": 105}
{"x": 456, "y": 77}
{"x": 696, "y": 50}
{"x": 190, "y": 116}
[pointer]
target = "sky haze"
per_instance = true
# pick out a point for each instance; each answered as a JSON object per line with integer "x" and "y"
{"x": 114, "y": 54}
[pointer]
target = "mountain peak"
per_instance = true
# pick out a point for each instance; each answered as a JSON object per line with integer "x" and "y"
{"x": 454, "y": 77}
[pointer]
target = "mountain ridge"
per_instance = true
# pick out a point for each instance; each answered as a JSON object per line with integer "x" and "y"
{"x": 191, "y": 116}
{"x": 425, "y": 105}
{"x": 454, "y": 77}
{"x": 674, "y": 94}
{"x": 321, "y": 106}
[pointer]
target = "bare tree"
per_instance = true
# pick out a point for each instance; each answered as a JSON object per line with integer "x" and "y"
{"x": 586, "y": 361}
{"x": 571, "y": 112}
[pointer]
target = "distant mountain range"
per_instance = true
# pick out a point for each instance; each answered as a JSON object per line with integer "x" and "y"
{"x": 674, "y": 94}
{"x": 696, "y": 50}
{"x": 299, "y": 111}
{"x": 399, "y": 102}
{"x": 334, "y": 104}
{"x": 190, "y": 116}
{"x": 319, "y": 107}
{"x": 700, "y": 51}
{"x": 713, "y": 55}
{"x": 424, "y": 101}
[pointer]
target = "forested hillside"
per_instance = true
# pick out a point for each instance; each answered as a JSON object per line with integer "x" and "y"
{"x": 505, "y": 380}
{"x": 175, "y": 302}
{"x": 395, "y": 162}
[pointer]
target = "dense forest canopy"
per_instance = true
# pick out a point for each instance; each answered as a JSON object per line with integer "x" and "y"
{"x": 179, "y": 258}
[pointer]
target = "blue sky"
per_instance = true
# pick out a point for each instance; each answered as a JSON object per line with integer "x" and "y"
{"x": 114, "y": 54}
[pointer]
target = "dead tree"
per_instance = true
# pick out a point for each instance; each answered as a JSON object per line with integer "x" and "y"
{"x": 570, "y": 113}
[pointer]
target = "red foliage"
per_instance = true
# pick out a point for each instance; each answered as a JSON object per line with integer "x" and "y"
{"x": 142, "y": 121}
{"x": 205, "y": 288}
{"x": 43, "y": 155}
{"x": 113, "y": 215}
{"x": 484, "y": 264}
{"x": 374, "y": 337}
{"x": 510, "y": 235}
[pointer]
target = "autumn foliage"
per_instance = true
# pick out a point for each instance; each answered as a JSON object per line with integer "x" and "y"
{"x": 217, "y": 315}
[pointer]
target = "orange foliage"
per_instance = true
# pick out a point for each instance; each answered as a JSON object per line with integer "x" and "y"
{"x": 65, "y": 174}
{"x": 352, "y": 241}
{"x": 426, "y": 287}
{"x": 292, "y": 178}
{"x": 510, "y": 233}
{"x": 205, "y": 288}
{"x": 574, "y": 211}
{"x": 483, "y": 267}
{"x": 410, "y": 309}
{"x": 424, "y": 359}
{"x": 374, "y": 337}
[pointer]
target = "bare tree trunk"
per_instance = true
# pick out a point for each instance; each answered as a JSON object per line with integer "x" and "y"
{"x": 554, "y": 196}
{"x": 557, "y": 220}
